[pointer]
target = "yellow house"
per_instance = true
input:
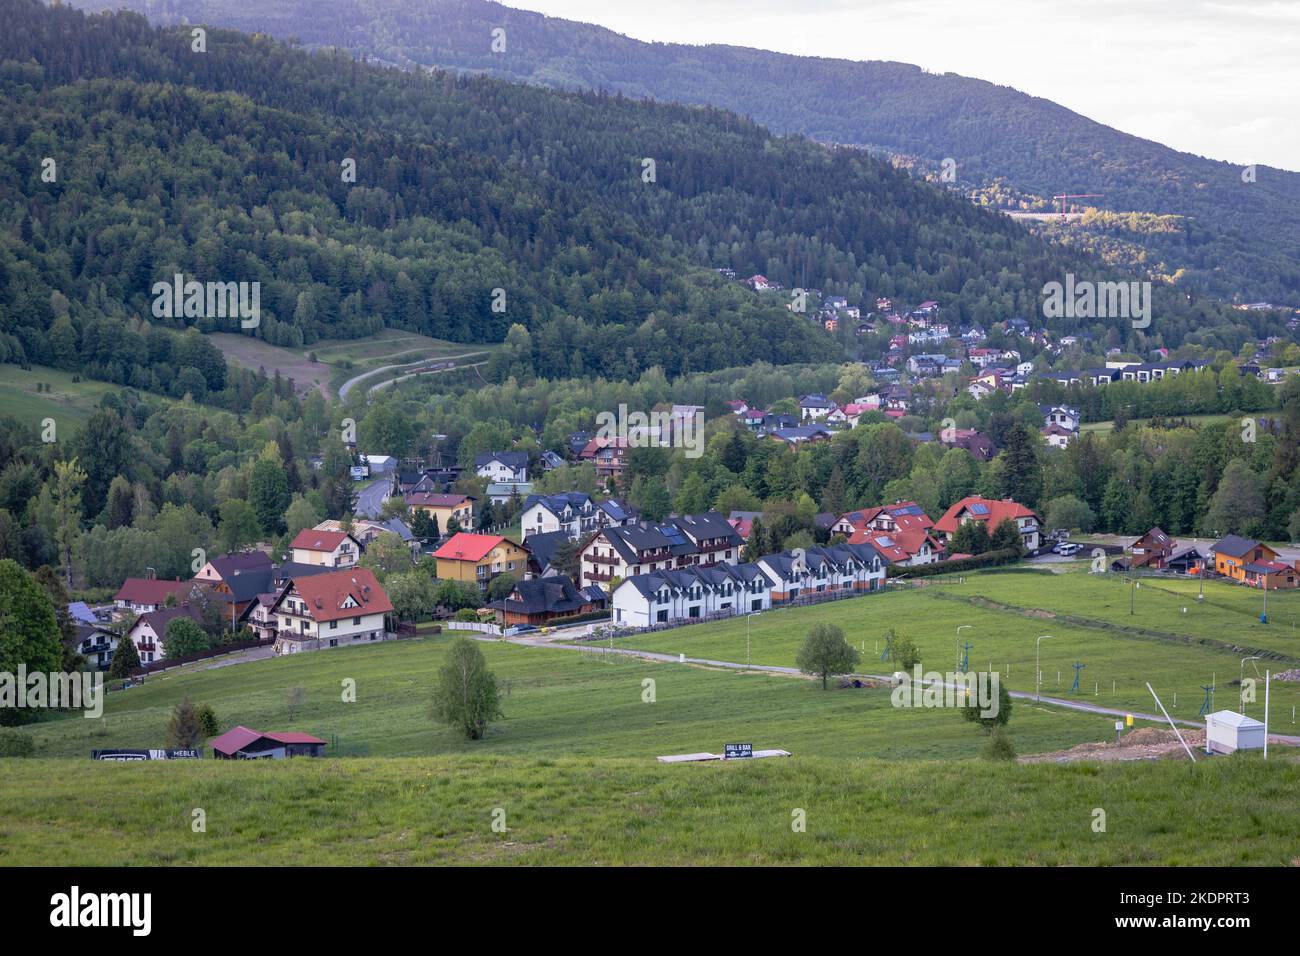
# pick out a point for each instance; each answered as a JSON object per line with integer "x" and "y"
{"x": 479, "y": 558}
{"x": 444, "y": 508}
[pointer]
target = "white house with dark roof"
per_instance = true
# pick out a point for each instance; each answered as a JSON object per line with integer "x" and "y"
{"x": 621, "y": 552}
{"x": 502, "y": 465}
{"x": 691, "y": 593}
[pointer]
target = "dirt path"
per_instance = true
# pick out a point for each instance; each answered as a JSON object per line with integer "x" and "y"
{"x": 356, "y": 379}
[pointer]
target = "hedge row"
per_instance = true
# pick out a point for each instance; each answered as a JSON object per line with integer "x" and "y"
{"x": 985, "y": 560}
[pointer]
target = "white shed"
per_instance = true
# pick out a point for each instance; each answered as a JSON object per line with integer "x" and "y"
{"x": 1227, "y": 731}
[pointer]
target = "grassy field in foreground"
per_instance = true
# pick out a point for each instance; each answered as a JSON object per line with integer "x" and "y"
{"x": 69, "y": 403}
{"x": 612, "y": 811}
{"x": 1118, "y": 663}
{"x": 557, "y": 703}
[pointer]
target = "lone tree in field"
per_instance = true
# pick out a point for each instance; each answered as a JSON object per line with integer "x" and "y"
{"x": 466, "y": 695}
{"x": 971, "y": 711}
{"x": 904, "y": 652}
{"x": 184, "y": 730}
{"x": 826, "y": 652}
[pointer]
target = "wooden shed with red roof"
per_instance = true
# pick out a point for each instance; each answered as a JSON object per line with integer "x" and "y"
{"x": 241, "y": 743}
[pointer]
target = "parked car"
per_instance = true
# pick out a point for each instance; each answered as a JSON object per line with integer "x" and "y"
{"x": 519, "y": 629}
{"x": 1066, "y": 550}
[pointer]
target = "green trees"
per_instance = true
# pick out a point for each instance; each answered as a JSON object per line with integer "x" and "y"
{"x": 29, "y": 628}
{"x": 825, "y": 652}
{"x": 268, "y": 493}
{"x": 239, "y": 527}
{"x": 1070, "y": 512}
{"x": 466, "y": 696}
{"x": 971, "y": 537}
{"x": 413, "y": 594}
{"x": 184, "y": 636}
{"x": 125, "y": 658}
{"x": 184, "y": 727}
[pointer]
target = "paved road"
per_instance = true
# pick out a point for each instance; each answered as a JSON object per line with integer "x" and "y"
{"x": 370, "y": 500}
{"x": 354, "y": 380}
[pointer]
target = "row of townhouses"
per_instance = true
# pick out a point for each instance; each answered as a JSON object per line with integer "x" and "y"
{"x": 695, "y": 592}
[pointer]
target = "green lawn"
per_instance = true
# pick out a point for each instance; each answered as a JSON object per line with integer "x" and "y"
{"x": 624, "y": 811}
{"x": 571, "y": 765}
{"x": 69, "y": 403}
{"x": 557, "y": 703}
{"x": 1176, "y": 665}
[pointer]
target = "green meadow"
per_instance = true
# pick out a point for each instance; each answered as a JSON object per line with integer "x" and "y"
{"x": 1086, "y": 618}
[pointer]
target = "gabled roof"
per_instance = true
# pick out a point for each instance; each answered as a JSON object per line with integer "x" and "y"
{"x": 511, "y": 459}
{"x": 544, "y": 545}
{"x": 992, "y": 510}
{"x": 248, "y": 584}
{"x": 227, "y": 564}
{"x": 1235, "y": 546}
{"x": 150, "y": 590}
{"x": 309, "y": 539}
{"x": 465, "y": 546}
{"x": 553, "y": 595}
{"x": 240, "y": 738}
{"x": 326, "y": 594}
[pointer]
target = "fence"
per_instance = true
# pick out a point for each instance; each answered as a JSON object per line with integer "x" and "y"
{"x": 221, "y": 651}
{"x": 483, "y": 627}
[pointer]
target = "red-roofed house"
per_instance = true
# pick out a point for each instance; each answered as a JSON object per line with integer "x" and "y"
{"x": 143, "y": 595}
{"x": 332, "y": 549}
{"x": 900, "y": 532}
{"x": 241, "y": 743}
{"x": 478, "y": 558}
{"x": 990, "y": 513}
{"x": 330, "y": 610}
{"x": 609, "y": 455}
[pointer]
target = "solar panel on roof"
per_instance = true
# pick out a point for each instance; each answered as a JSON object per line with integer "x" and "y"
{"x": 979, "y": 509}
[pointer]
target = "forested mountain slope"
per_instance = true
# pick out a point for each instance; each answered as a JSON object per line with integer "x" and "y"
{"x": 1232, "y": 239}
{"x": 225, "y": 165}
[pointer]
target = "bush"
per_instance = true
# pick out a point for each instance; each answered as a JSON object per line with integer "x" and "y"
{"x": 208, "y": 721}
{"x": 987, "y": 559}
{"x": 14, "y": 744}
{"x": 999, "y": 746}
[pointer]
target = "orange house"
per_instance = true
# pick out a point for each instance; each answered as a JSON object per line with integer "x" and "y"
{"x": 1233, "y": 553}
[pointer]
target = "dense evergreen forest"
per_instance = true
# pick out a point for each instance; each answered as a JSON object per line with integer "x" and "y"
{"x": 1233, "y": 240}
{"x": 226, "y": 165}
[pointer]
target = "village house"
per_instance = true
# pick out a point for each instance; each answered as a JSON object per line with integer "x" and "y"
{"x": 149, "y": 631}
{"x": 366, "y": 530}
{"x": 990, "y": 512}
{"x": 543, "y": 601}
{"x": 609, "y": 455}
{"x": 690, "y": 594}
{"x": 240, "y": 743}
{"x": 330, "y": 610}
{"x": 443, "y": 507}
{"x": 332, "y": 549}
{"x": 800, "y": 435}
{"x": 502, "y": 465}
{"x": 575, "y": 513}
{"x": 142, "y": 595}
{"x": 1057, "y": 436}
{"x": 834, "y": 569}
{"x": 620, "y": 552}
{"x": 900, "y": 532}
{"x": 813, "y": 407}
{"x": 1152, "y": 549}
{"x": 1233, "y": 554}
{"x": 478, "y": 558}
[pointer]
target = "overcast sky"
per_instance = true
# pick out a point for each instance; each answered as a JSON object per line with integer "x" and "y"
{"x": 1215, "y": 78}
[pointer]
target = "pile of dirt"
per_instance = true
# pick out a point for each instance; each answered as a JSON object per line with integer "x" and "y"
{"x": 1292, "y": 674}
{"x": 1146, "y": 743}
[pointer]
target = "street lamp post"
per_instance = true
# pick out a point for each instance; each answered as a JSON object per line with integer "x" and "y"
{"x": 1241, "y": 691}
{"x": 1038, "y": 674}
